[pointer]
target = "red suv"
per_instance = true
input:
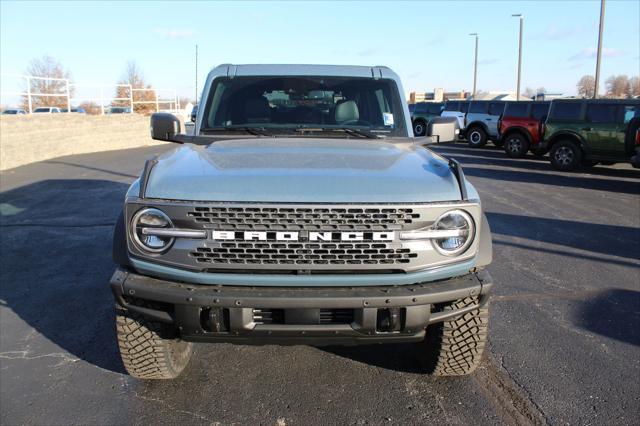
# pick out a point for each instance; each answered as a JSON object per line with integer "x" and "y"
{"x": 521, "y": 127}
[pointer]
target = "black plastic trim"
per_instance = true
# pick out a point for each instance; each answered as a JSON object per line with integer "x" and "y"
{"x": 144, "y": 178}
{"x": 457, "y": 170}
{"x": 189, "y": 300}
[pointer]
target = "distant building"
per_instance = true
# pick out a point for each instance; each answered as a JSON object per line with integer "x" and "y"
{"x": 494, "y": 96}
{"x": 438, "y": 95}
{"x": 547, "y": 96}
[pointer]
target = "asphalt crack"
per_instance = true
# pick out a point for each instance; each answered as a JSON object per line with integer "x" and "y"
{"x": 510, "y": 400}
{"x": 164, "y": 403}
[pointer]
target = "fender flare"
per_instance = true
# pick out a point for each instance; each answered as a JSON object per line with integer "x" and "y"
{"x": 485, "y": 247}
{"x": 567, "y": 134}
{"x": 478, "y": 124}
{"x": 517, "y": 129}
{"x": 120, "y": 251}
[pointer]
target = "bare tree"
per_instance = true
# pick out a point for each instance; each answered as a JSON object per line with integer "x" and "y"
{"x": 617, "y": 86}
{"x": 133, "y": 77}
{"x": 586, "y": 86}
{"x": 634, "y": 86}
{"x": 185, "y": 100}
{"x": 46, "y": 67}
{"x": 528, "y": 93}
{"x": 91, "y": 108}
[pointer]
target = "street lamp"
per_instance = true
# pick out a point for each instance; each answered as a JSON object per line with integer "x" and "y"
{"x": 599, "y": 55}
{"x": 519, "y": 15}
{"x": 475, "y": 66}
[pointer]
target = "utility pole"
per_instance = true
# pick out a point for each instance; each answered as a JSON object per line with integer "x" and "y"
{"x": 196, "y": 74}
{"x": 475, "y": 66}
{"x": 519, "y": 54}
{"x": 595, "y": 90}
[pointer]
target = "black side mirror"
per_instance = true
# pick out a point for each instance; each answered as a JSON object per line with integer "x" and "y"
{"x": 165, "y": 127}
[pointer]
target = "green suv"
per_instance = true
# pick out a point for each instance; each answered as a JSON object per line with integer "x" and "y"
{"x": 422, "y": 114}
{"x": 585, "y": 132}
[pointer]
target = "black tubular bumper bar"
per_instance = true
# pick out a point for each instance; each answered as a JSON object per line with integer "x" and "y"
{"x": 283, "y": 315}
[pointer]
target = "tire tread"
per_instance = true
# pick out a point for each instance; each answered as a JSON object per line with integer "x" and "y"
{"x": 149, "y": 350}
{"x": 455, "y": 347}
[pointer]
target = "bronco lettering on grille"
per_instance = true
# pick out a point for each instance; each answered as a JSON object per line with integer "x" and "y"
{"x": 302, "y": 236}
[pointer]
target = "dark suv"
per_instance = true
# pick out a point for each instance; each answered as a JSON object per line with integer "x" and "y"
{"x": 482, "y": 122}
{"x": 422, "y": 113}
{"x": 521, "y": 128}
{"x": 584, "y": 132}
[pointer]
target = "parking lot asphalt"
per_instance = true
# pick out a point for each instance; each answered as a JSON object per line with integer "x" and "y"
{"x": 564, "y": 327}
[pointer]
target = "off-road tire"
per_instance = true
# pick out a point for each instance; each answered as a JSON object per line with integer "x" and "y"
{"x": 476, "y": 137}
{"x": 455, "y": 347}
{"x": 566, "y": 156}
{"x": 516, "y": 145}
{"x": 150, "y": 349}
{"x": 630, "y": 136}
{"x": 419, "y": 128}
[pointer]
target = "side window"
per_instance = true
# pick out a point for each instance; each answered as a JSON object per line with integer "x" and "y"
{"x": 478, "y": 107}
{"x": 566, "y": 111}
{"x": 601, "y": 113}
{"x": 517, "y": 109}
{"x": 539, "y": 111}
{"x": 435, "y": 108}
{"x": 420, "y": 108}
{"x": 452, "y": 106}
{"x": 496, "y": 108}
{"x": 631, "y": 112}
{"x": 464, "y": 107}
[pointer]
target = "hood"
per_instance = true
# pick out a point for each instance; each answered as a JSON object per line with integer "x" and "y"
{"x": 301, "y": 170}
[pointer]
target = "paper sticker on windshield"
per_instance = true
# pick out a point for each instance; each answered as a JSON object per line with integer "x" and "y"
{"x": 387, "y": 117}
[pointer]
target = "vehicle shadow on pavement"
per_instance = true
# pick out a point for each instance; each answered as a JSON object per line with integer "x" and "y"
{"x": 614, "y": 313}
{"x": 55, "y": 266}
{"x": 613, "y": 240}
{"x": 589, "y": 175}
{"x": 559, "y": 179}
{"x": 396, "y": 357}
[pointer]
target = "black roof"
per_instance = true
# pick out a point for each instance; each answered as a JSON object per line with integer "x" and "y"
{"x": 598, "y": 101}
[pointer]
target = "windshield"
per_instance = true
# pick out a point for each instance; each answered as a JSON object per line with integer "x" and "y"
{"x": 280, "y": 103}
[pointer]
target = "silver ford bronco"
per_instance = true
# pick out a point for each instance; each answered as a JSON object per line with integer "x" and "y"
{"x": 302, "y": 210}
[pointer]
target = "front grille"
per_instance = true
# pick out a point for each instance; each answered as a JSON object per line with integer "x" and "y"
{"x": 310, "y": 219}
{"x": 336, "y": 316}
{"x": 303, "y": 253}
{"x": 268, "y": 316}
{"x": 326, "y": 316}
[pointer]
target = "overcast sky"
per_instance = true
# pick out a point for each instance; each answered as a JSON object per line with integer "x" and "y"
{"x": 427, "y": 43}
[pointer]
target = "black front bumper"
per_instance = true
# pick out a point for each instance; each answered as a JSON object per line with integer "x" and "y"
{"x": 299, "y": 315}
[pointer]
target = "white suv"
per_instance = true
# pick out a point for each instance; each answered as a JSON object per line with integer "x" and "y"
{"x": 47, "y": 110}
{"x": 457, "y": 109}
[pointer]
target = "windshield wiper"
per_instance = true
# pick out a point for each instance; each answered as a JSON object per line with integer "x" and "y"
{"x": 348, "y": 130}
{"x": 256, "y": 131}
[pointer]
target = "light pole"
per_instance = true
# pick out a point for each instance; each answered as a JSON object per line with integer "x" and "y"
{"x": 475, "y": 66}
{"x": 519, "y": 15}
{"x": 597, "y": 82}
{"x": 196, "y": 74}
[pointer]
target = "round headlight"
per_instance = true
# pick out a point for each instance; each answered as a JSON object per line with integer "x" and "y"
{"x": 150, "y": 218}
{"x": 459, "y": 239}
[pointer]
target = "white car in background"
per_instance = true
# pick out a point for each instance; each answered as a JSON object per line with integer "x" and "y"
{"x": 47, "y": 110}
{"x": 14, "y": 111}
{"x": 457, "y": 109}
